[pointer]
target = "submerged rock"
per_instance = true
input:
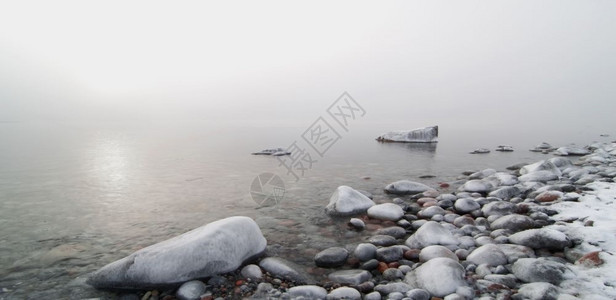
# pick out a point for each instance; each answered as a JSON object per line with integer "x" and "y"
{"x": 346, "y": 201}
{"x": 215, "y": 248}
{"x": 284, "y": 269}
{"x": 419, "y": 135}
{"x": 405, "y": 187}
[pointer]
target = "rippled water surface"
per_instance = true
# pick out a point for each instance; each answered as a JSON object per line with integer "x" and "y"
{"x": 76, "y": 196}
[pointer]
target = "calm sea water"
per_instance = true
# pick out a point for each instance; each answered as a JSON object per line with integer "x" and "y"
{"x": 76, "y": 196}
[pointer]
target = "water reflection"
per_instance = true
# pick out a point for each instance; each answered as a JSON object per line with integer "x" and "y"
{"x": 413, "y": 147}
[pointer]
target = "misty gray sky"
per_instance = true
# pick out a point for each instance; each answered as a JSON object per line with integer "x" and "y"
{"x": 434, "y": 61}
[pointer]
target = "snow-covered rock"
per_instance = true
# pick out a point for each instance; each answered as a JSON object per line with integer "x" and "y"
{"x": 540, "y": 270}
{"x": 308, "y": 292}
{"x": 466, "y": 205}
{"x": 541, "y": 238}
{"x": 273, "y": 152}
{"x": 543, "y": 165}
{"x": 345, "y": 292}
{"x": 539, "y": 291}
{"x": 489, "y": 254}
{"x": 392, "y": 287}
{"x": 476, "y": 185}
{"x": 506, "y": 192}
{"x": 439, "y": 276}
{"x": 571, "y": 151}
{"x": 346, "y": 201}
{"x": 386, "y": 211}
{"x": 405, "y": 187}
{"x": 218, "y": 247}
{"x": 431, "y": 233}
{"x": 513, "y": 222}
{"x": 538, "y": 176}
{"x": 419, "y": 135}
{"x": 436, "y": 251}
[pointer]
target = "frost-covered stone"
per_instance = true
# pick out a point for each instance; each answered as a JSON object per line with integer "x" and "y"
{"x": 440, "y": 276}
{"x": 571, "y": 151}
{"x": 436, "y": 251}
{"x": 386, "y": 211}
{"x": 431, "y": 233}
{"x": 541, "y": 238}
{"x": 466, "y": 205}
{"x": 308, "y": 292}
{"x": 347, "y": 293}
{"x": 540, "y": 270}
{"x": 406, "y": 187}
{"x": 352, "y": 277}
{"x": 284, "y": 269}
{"x": 506, "y": 192}
{"x": 431, "y": 211}
{"x": 539, "y": 291}
{"x": 543, "y": 165}
{"x": 497, "y": 208}
{"x": 538, "y": 176}
{"x": 489, "y": 254}
{"x": 419, "y": 135}
{"x": 513, "y": 222}
{"x": 515, "y": 252}
{"x": 218, "y": 247}
{"x": 476, "y": 185}
{"x": 392, "y": 287}
{"x": 346, "y": 201}
{"x": 191, "y": 290}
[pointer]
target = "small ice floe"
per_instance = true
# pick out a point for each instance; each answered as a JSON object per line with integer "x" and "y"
{"x": 480, "y": 151}
{"x": 504, "y": 148}
{"x": 571, "y": 151}
{"x": 273, "y": 152}
{"x": 419, "y": 135}
{"x": 543, "y": 147}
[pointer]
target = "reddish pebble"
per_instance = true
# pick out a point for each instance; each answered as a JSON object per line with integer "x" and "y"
{"x": 394, "y": 265}
{"x": 382, "y": 267}
{"x": 412, "y": 254}
{"x": 239, "y": 282}
{"x": 444, "y": 185}
{"x": 591, "y": 259}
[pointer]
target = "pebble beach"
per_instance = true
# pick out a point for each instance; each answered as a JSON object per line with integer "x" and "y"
{"x": 538, "y": 230}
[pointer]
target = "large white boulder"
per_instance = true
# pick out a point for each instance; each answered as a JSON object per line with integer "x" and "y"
{"x": 346, "y": 201}
{"x": 439, "y": 276}
{"x": 419, "y": 135}
{"x": 218, "y": 247}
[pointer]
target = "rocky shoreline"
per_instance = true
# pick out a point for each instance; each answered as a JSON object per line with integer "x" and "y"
{"x": 544, "y": 230}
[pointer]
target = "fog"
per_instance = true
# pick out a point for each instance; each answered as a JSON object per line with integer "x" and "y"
{"x": 415, "y": 63}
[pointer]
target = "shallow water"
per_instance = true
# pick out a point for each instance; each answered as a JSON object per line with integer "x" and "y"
{"x": 76, "y": 196}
